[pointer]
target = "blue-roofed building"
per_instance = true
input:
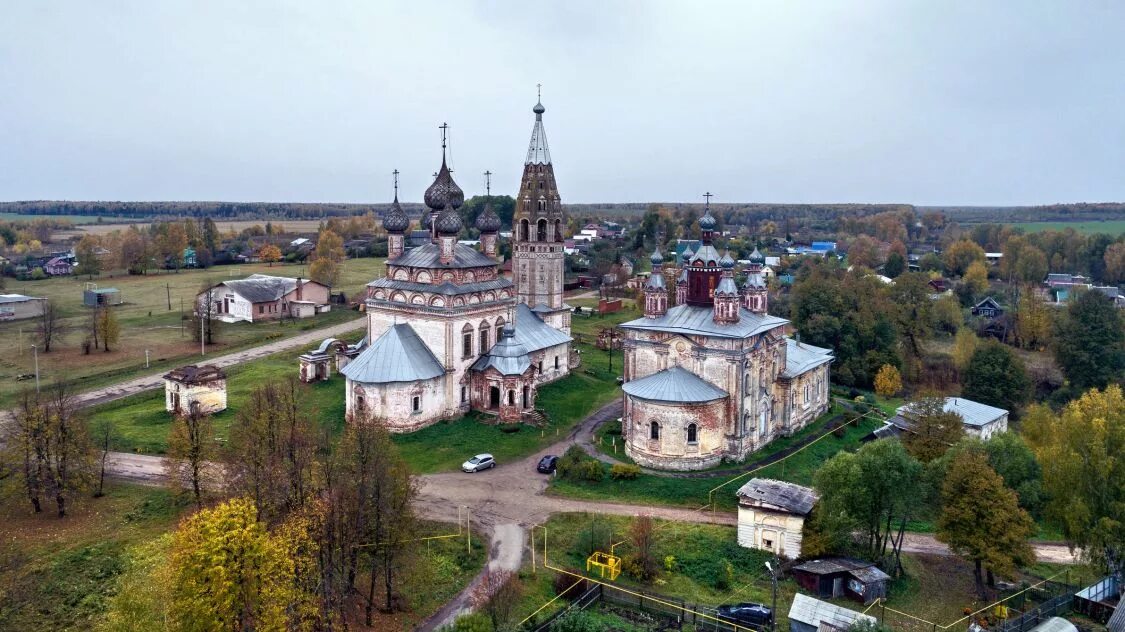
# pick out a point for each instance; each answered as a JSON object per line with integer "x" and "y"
{"x": 447, "y": 332}
{"x": 713, "y": 376}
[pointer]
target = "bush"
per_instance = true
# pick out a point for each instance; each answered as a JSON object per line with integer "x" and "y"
{"x": 597, "y": 536}
{"x": 509, "y": 428}
{"x": 563, "y": 581}
{"x": 624, "y": 472}
{"x": 576, "y": 621}
{"x": 576, "y": 465}
{"x": 475, "y": 622}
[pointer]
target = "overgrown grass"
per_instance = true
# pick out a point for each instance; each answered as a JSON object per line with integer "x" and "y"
{"x": 693, "y": 492}
{"x": 150, "y": 319}
{"x": 60, "y": 574}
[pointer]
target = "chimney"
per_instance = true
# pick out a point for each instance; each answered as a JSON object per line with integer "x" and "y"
{"x": 300, "y": 290}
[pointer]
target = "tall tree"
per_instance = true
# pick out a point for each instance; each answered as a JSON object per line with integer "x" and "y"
{"x": 996, "y": 376}
{"x": 269, "y": 253}
{"x": 49, "y": 326}
{"x": 191, "y": 450}
{"x": 642, "y": 537}
{"x": 894, "y": 266}
{"x": 1090, "y": 342}
{"x": 934, "y": 430}
{"x": 981, "y": 519}
{"x": 203, "y": 320}
{"x": 960, "y": 255}
{"x": 888, "y": 381}
{"x": 108, "y": 327}
{"x": 86, "y": 252}
{"x": 1084, "y": 472}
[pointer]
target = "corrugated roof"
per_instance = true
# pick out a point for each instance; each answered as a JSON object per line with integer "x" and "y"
{"x": 429, "y": 256}
{"x": 446, "y": 288}
{"x": 399, "y": 355}
{"x": 18, "y": 298}
{"x": 533, "y": 333}
{"x": 699, "y": 320}
{"x": 801, "y": 357}
{"x": 674, "y": 385}
{"x": 1057, "y": 624}
{"x": 1116, "y": 622}
{"x": 260, "y": 288}
{"x": 791, "y": 497}
{"x": 814, "y": 612}
{"x": 972, "y": 413}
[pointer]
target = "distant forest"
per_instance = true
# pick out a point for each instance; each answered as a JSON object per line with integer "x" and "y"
{"x": 734, "y": 213}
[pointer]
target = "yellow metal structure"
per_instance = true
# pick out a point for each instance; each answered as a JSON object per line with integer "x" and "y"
{"x": 605, "y": 563}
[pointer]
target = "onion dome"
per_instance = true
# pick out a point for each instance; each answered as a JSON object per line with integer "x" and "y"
{"x": 396, "y": 221}
{"x": 688, "y": 254}
{"x": 539, "y": 109}
{"x": 707, "y": 222}
{"x": 444, "y": 191}
{"x": 757, "y": 257}
{"x": 657, "y": 258}
{"x": 448, "y": 221}
{"x": 488, "y": 221}
{"x": 726, "y": 262}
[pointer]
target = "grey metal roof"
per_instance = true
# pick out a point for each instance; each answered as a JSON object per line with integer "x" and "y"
{"x": 18, "y": 298}
{"x": 814, "y": 612}
{"x": 537, "y": 151}
{"x": 790, "y": 497}
{"x": 972, "y": 413}
{"x": 446, "y": 288}
{"x": 507, "y": 356}
{"x": 399, "y": 355}
{"x": 674, "y": 385}
{"x": 700, "y": 320}
{"x": 801, "y": 357}
{"x": 656, "y": 281}
{"x": 533, "y": 333}
{"x": 1116, "y": 622}
{"x": 869, "y": 574}
{"x": 726, "y": 286}
{"x": 1059, "y": 624}
{"x": 829, "y": 565}
{"x": 429, "y": 256}
{"x": 260, "y": 288}
{"x": 707, "y": 254}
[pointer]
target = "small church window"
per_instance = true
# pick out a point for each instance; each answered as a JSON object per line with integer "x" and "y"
{"x": 511, "y": 398}
{"x": 464, "y": 394}
{"x": 467, "y": 344}
{"x": 541, "y": 226}
{"x": 542, "y": 205}
{"x": 654, "y": 431}
{"x": 416, "y": 404}
{"x": 691, "y": 434}
{"x": 556, "y": 363}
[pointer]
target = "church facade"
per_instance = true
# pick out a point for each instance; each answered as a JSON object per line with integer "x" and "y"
{"x": 713, "y": 377}
{"x": 446, "y": 333}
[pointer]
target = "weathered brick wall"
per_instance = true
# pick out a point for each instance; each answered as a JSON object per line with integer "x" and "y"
{"x": 211, "y": 397}
{"x": 392, "y": 403}
{"x": 672, "y": 450}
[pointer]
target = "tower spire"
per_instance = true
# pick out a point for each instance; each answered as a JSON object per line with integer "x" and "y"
{"x": 537, "y": 152}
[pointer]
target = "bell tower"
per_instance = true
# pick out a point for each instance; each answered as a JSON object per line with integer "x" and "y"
{"x": 537, "y": 233}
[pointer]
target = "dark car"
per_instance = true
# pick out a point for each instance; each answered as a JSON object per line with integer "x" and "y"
{"x": 547, "y": 464}
{"x": 752, "y": 614}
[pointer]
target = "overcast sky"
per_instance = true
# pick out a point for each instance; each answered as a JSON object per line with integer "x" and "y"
{"x": 932, "y": 102}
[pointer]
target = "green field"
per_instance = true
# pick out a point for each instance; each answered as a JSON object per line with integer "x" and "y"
{"x": 1111, "y": 227}
{"x": 147, "y": 323}
{"x": 73, "y": 219}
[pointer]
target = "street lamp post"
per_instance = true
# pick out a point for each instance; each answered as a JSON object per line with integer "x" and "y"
{"x": 146, "y": 358}
{"x": 773, "y": 612}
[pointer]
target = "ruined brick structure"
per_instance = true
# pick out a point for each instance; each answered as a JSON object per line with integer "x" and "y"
{"x": 713, "y": 377}
{"x": 445, "y": 333}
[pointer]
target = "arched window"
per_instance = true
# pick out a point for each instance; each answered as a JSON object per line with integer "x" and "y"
{"x": 654, "y": 431}
{"x": 691, "y": 433}
{"x": 524, "y": 229}
{"x": 467, "y": 341}
{"x": 511, "y": 398}
{"x": 484, "y": 347}
{"x": 542, "y": 205}
{"x": 499, "y": 327}
{"x": 558, "y": 230}
{"x": 556, "y": 363}
{"x": 541, "y": 230}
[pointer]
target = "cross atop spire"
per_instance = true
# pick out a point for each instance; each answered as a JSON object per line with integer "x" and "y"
{"x": 708, "y": 195}
{"x": 488, "y": 183}
{"x": 395, "y": 174}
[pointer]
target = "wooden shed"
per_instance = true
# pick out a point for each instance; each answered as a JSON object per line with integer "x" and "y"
{"x": 846, "y": 577}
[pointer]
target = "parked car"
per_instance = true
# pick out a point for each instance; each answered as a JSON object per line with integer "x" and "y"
{"x": 478, "y": 463}
{"x": 752, "y": 614}
{"x": 547, "y": 464}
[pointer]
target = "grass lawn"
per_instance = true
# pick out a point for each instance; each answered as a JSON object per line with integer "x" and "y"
{"x": 146, "y": 323}
{"x": 142, "y": 425}
{"x": 701, "y": 554}
{"x": 61, "y": 574}
{"x": 693, "y": 492}
{"x": 1110, "y": 227}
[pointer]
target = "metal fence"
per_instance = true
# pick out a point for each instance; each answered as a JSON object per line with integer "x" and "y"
{"x": 1028, "y": 620}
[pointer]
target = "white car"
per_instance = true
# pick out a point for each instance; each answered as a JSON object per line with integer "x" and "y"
{"x": 478, "y": 463}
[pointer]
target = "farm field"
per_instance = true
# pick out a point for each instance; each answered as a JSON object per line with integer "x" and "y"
{"x": 291, "y": 225}
{"x": 147, "y": 323}
{"x": 1111, "y": 227}
{"x": 73, "y": 219}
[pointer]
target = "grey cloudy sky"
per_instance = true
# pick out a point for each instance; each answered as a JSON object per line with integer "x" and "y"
{"x": 963, "y": 102}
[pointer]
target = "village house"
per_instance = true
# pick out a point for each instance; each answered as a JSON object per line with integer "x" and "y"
{"x": 204, "y": 386}
{"x": 771, "y": 515}
{"x": 59, "y": 266}
{"x": 980, "y": 420}
{"x": 842, "y": 577}
{"x": 19, "y": 307}
{"x": 104, "y": 297}
{"x": 261, "y": 297}
{"x": 988, "y": 308}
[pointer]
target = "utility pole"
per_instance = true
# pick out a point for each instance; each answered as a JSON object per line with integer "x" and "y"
{"x": 146, "y": 358}
{"x": 181, "y": 317}
{"x": 35, "y": 350}
{"x": 168, "y": 291}
{"x": 773, "y": 612}
{"x": 202, "y": 339}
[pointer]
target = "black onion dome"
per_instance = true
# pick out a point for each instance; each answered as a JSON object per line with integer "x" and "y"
{"x": 727, "y": 262}
{"x": 657, "y": 258}
{"x": 488, "y": 221}
{"x": 444, "y": 191}
{"x": 539, "y": 109}
{"x": 757, "y": 256}
{"x": 448, "y": 221}
{"x": 396, "y": 221}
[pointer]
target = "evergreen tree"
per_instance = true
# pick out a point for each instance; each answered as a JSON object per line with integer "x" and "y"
{"x": 996, "y": 376}
{"x": 1090, "y": 342}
